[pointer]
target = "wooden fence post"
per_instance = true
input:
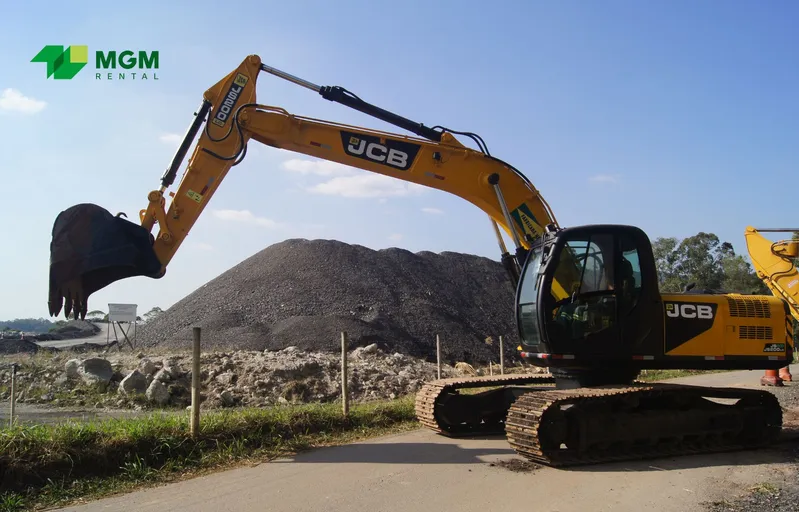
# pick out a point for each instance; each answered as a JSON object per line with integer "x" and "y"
{"x": 438, "y": 355}
{"x": 345, "y": 399}
{"x": 13, "y": 394}
{"x": 501, "y": 357}
{"x": 195, "y": 383}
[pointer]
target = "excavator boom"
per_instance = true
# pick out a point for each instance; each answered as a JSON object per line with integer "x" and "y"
{"x": 774, "y": 263}
{"x": 82, "y": 265}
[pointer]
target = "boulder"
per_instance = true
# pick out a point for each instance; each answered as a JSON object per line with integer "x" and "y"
{"x": 135, "y": 382}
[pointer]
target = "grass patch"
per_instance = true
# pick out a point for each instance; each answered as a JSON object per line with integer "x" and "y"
{"x": 765, "y": 488}
{"x": 52, "y": 465}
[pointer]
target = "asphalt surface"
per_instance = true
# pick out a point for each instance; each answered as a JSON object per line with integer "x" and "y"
{"x": 424, "y": 471}
{"x": 30, "y": 414}
{"x": 106, "y": 334}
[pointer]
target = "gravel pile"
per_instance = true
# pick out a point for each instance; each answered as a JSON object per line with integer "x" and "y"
{"x": 16, "y": 346}
{"x": 304, "y": 293}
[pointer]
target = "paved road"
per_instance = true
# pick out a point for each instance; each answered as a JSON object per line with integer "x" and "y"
{"x": 101, "y": 337}
{"x": 423, "y": 471}
{"x": 30, "y": 414}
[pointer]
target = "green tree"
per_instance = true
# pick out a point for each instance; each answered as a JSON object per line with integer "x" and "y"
{"x": 150, "y": 315}
{"x": 795, "y": 237}
{"x": 705, "y": 260}
{"x": 663, "y": 249}
{"x": 698, "y": 260}
{"x": 96, "y": 315}
{"x": 740, "y": 277}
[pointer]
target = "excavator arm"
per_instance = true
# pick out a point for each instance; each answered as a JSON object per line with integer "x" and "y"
{"x": 774, "y": 264}
{"x": 91, "y": 248}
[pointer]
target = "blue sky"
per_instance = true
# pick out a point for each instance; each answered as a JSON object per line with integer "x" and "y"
{"x": 678, "y": 117}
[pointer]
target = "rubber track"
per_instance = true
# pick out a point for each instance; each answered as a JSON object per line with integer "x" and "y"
{"x": 523, "y": 423}
{"x": 427, "y": 397}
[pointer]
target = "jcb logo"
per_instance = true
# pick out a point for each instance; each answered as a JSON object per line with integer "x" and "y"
{"x": 378, "y": 152}
{"x": 684, "y": 310}
{"x": 398, "y": 154}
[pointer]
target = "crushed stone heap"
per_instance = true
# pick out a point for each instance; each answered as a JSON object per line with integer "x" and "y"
{"x": 303, "y": 293}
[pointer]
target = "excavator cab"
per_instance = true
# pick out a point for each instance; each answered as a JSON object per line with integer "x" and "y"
{"x": 90, "y": 249}
{"x": 611, "y": 310}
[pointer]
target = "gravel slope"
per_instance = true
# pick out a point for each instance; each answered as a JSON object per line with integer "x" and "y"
{"x": 304, "y": 293}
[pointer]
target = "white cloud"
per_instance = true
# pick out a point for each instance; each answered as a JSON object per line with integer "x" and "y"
{"x": 318, "y": 167}
{"x": 395, "y": 237}
{"x": 12, "y": 100}
{"x": 366, "y": 185}
{"x": 203, "y": 246}
{"x": 171, "y": 138}
{"x": 434, "y": 211}
{"x": 605, "y": 178}
{"x": 245, "y": 216}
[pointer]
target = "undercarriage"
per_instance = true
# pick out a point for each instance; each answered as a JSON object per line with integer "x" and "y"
{"x": 558, "y": 425}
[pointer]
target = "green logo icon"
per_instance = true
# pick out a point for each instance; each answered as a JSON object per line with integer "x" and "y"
{"x": 63, "y": 64}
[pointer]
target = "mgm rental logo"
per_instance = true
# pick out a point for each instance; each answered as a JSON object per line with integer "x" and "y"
{"x": 64, "y": 63}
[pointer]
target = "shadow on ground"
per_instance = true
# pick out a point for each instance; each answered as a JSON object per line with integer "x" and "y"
{"x": 401, "y": 453}
{"x": 776, "y": 454}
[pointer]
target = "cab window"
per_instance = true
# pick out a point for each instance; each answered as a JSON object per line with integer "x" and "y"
{"x": 585, "y": 270}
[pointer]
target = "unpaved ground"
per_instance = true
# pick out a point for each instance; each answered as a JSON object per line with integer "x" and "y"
{"x": 423, "y": 471}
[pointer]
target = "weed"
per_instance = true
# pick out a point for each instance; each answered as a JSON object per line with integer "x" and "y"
{"x": 765, "y": 488}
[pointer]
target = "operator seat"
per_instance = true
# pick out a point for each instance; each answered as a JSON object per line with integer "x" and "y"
{"x": 628, "y": 293}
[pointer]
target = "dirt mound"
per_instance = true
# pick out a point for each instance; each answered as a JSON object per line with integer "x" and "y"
{"x": 17, "y": 346}
{"x": 304, "y": 293}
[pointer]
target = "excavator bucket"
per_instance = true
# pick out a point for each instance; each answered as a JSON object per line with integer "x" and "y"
{"x": 90, "y": 249}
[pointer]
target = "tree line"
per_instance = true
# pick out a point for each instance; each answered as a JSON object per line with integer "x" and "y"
{"x": 43, "y": 325}
{"x": 708, "y": 262}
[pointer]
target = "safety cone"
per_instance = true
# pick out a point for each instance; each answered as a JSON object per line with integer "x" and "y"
{"x": 771, "y": 378}
{"x": 785, "y": 374}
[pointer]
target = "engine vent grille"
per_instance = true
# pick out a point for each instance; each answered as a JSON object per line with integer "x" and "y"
{"x": 749, "y": 307}
{"x": 754, "y": 332}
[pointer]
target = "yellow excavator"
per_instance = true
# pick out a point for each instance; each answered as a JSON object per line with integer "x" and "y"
{"x": 588, "y": 306}
{"x": 775, "y": 265}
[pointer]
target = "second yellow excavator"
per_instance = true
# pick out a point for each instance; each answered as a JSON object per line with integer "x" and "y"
{"x": 775, "y": 265}
{"x": 588, "y": 306}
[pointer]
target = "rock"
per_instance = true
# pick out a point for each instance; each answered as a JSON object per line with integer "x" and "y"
{"x": 163, "y": 376}
{"x": 135, "y": 382}
{"x": 96, "y": 371}
{"x": 227, "y": 398}
{"x": 226, "y": 379}
{"x": 157, "y": 393}
{"x": 297, "y": 370}
{"x": 147, "y": 367}
{"x": 71, "y": 368}
{"x": 172, "y": 367}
